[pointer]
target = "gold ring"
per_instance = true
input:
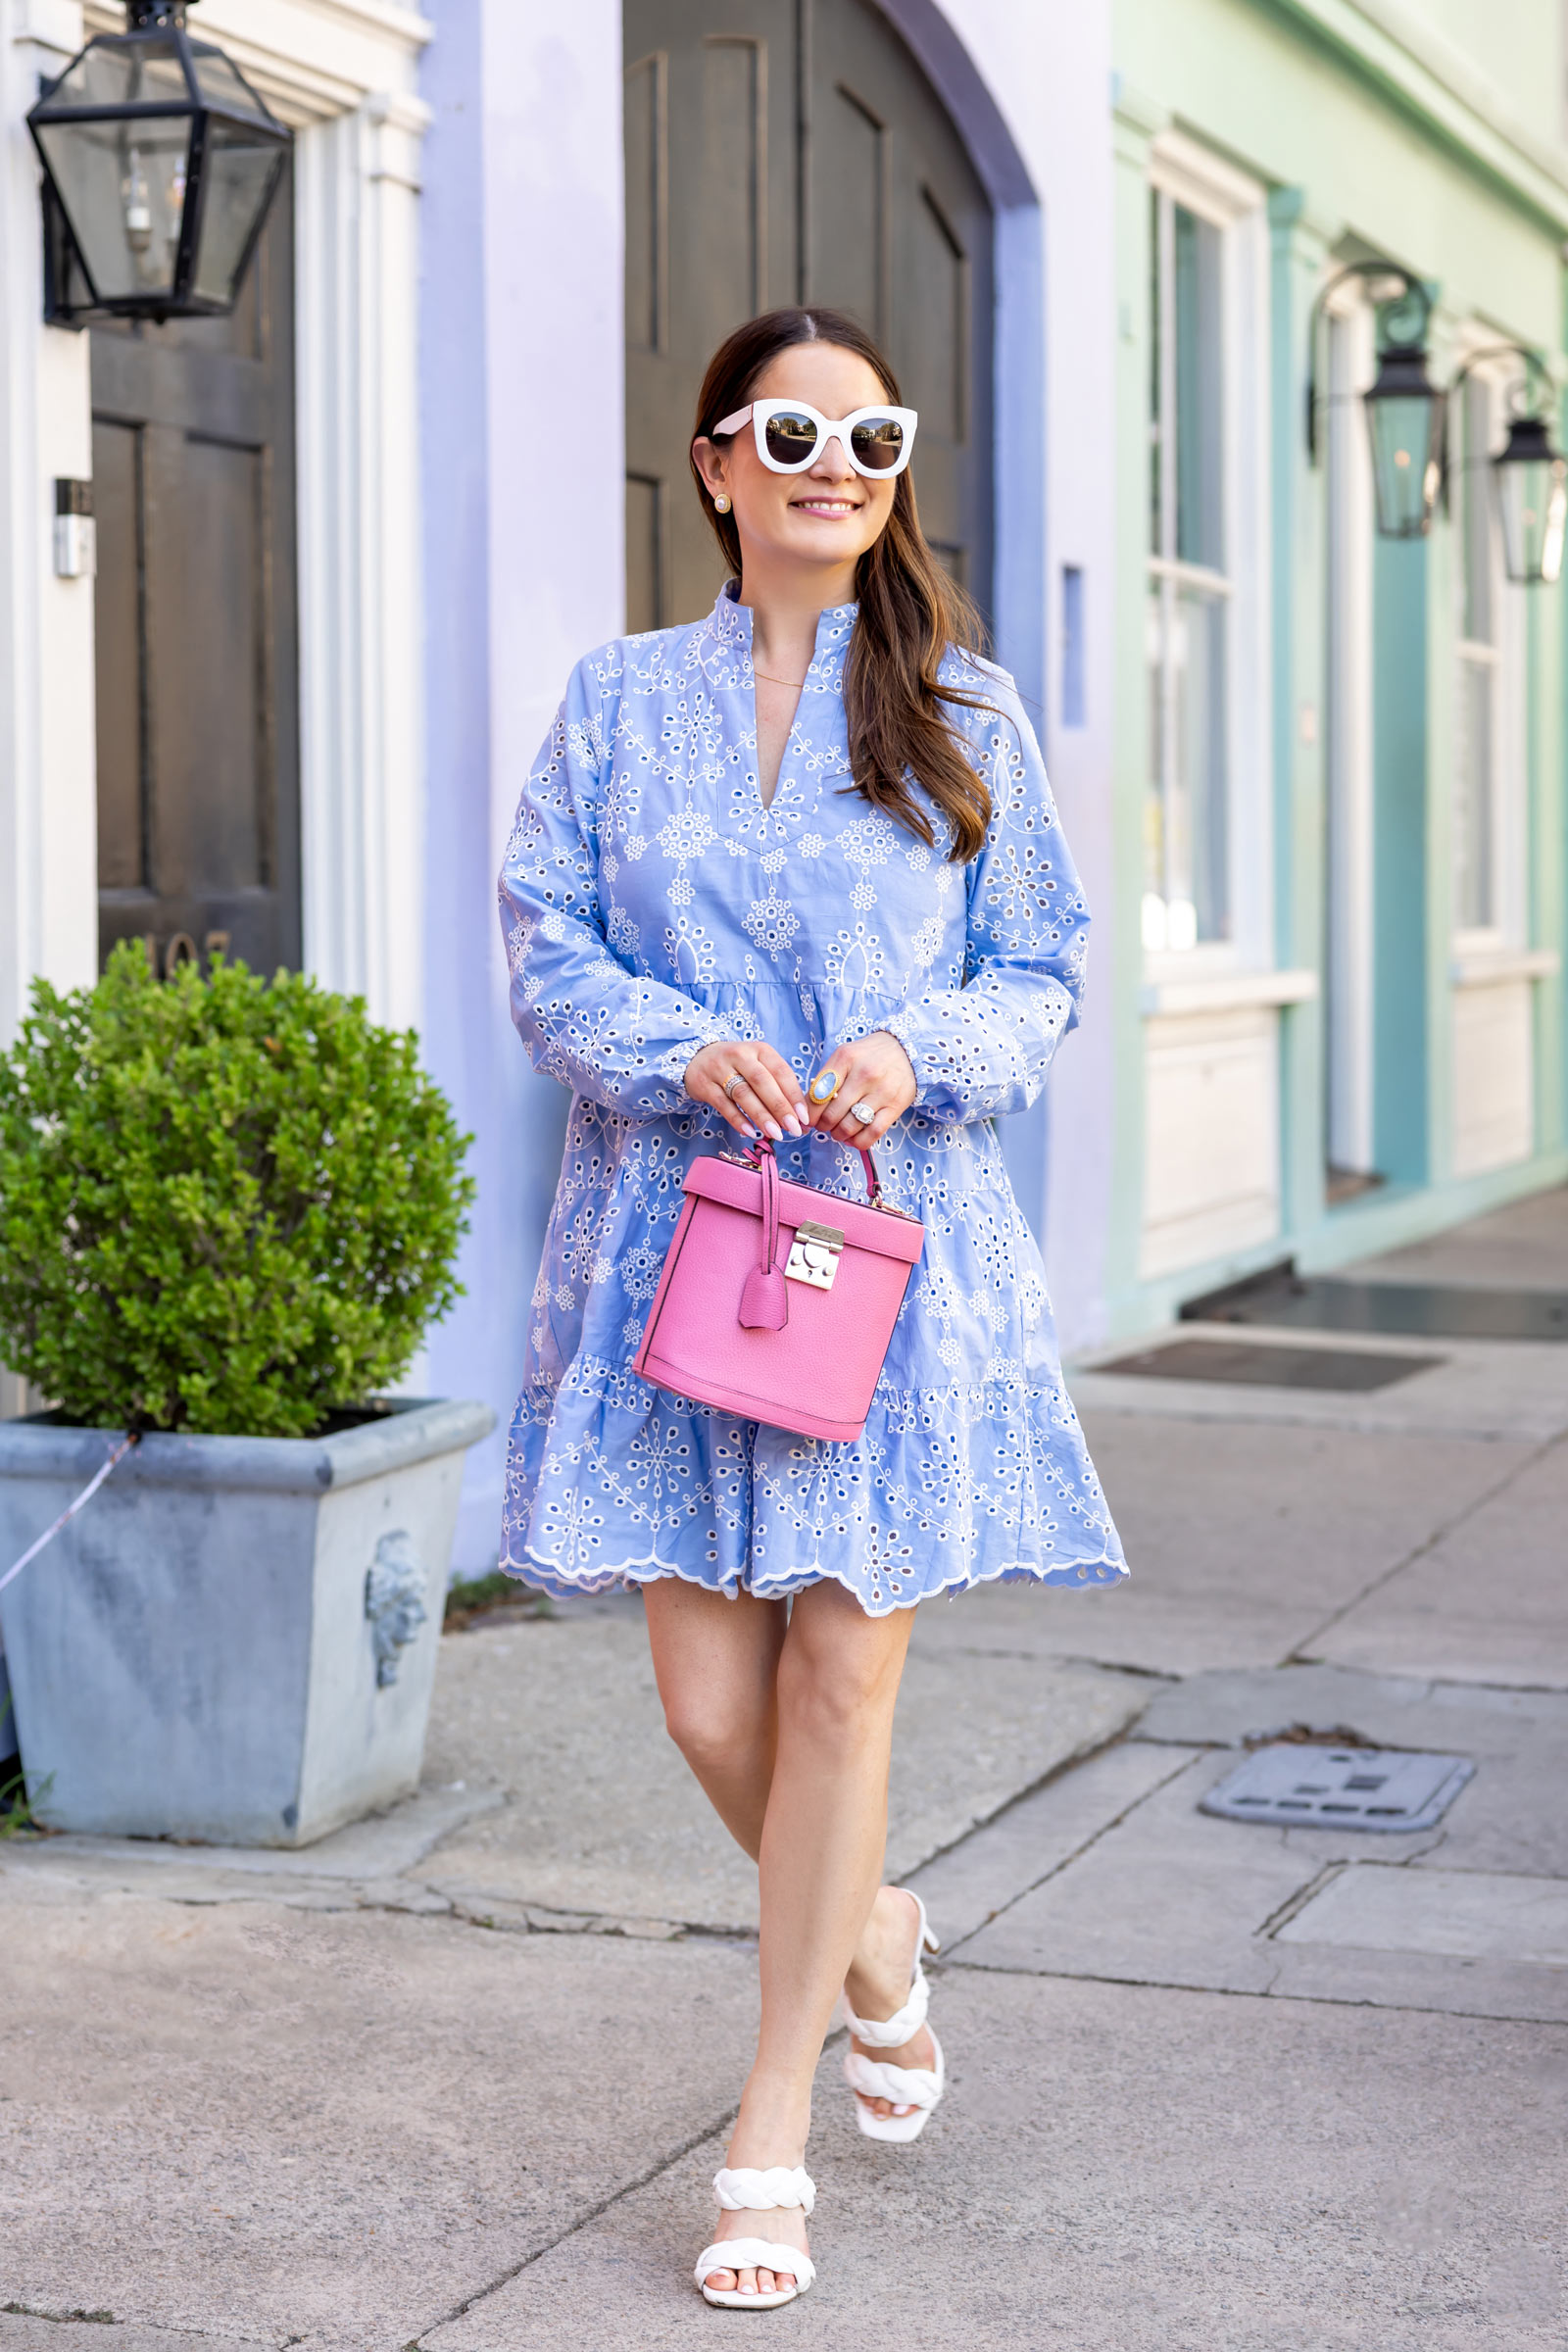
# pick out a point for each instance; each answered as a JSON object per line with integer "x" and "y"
{"x": 825, "y": 1086}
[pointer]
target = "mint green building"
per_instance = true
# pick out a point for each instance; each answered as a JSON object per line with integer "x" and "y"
{"x": 1340, "y": 835}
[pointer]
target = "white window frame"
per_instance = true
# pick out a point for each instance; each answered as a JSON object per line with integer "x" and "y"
{"x": 1233, "y": 203}
{"x": 1505, "y": 657}
{"x": 1351, "y": 359}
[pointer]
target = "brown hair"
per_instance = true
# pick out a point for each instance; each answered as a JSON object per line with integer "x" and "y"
{"x": 909, "y": 610}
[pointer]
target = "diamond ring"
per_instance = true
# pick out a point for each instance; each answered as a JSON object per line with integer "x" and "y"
{"x": 730, "y": 1084}
{"x": 866, "y": 1113}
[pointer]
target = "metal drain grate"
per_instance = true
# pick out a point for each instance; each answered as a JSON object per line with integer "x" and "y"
{"x": 1340, "y": 1788}
{"x": 1424, "y": 1310}
{"x": 1265, "y": 1364}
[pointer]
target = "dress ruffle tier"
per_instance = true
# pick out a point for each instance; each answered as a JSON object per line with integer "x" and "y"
{"x": 652, "y": 905}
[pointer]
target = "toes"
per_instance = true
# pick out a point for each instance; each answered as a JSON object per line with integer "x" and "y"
{"x": 764, "y": 2283}
{"x": 722, "y": 2282}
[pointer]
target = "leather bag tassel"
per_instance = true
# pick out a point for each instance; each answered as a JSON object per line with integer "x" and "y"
{"x": 764, "y": 1293}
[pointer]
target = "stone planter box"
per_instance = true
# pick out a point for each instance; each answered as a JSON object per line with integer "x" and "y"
{"x": 235, "y": 1640}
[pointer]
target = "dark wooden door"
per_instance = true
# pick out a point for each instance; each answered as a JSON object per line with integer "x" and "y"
{"x": 782, "y": 151}
{"x": 198, "y": 720}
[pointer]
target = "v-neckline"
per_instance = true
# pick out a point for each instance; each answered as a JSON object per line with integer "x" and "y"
{"x": 780, "y": 781}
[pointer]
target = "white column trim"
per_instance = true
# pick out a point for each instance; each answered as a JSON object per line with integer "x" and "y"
{"x": 344, "y": 72}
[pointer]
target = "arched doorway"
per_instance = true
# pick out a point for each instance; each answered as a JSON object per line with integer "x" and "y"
{"x": 795, "y": 153}
{"x": 195, "y": 624}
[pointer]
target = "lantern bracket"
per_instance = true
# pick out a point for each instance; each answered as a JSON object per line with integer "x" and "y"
{"x": 1414, "y": 300}
{"x": 1529, "y": 395}
{"x": 223, "y": 153}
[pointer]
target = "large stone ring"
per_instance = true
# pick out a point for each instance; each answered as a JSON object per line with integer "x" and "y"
{"x": 730, "y": 1084}
{"x": 866, "y": 1113}
{"x": 825, "y": 1086}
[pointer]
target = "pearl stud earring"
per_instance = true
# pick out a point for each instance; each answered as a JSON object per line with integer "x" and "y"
{"x": 721, "y": 503}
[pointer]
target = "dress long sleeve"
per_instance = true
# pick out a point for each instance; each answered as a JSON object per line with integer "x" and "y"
{"x": 984, "y": 1048}
{"x": 653, "y": 902}
{"x": 608, "y": 1032}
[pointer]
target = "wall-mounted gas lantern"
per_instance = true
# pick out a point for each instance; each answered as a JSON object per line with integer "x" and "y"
{"x": 1529, "y": 476}
{"x": 1405, "y": 409}
{"x": 161, "y": 162}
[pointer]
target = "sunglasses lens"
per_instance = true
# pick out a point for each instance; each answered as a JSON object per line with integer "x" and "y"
{"x": 878, "y": 443}
{"x": 791, "y": 437}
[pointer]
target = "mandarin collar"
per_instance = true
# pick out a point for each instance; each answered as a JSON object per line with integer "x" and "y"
{"x": 731, "y": 623}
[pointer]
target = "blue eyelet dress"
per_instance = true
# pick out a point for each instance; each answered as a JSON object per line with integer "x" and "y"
{"x": 650, "y": 905}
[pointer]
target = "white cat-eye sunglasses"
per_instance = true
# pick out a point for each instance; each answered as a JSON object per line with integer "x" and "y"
{"x": 791, "y": 435}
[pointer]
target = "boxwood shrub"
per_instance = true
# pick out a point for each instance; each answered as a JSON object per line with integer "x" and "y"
{"x": 227, "y": 1204}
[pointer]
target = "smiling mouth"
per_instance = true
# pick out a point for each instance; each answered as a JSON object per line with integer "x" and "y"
{"x": 827, "y": 506}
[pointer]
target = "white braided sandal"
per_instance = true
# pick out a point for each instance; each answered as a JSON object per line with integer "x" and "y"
{"x": 917, "y": 2087}
{"x": 781, "y": 2186}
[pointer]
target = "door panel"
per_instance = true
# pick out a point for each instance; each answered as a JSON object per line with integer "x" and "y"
{"x": 871, "y": 205}
{"x": 197, "y": 666}
{"x": 117, "y": 492}
{"x": 209, "y": 707}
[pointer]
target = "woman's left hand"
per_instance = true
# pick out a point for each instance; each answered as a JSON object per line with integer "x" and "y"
{"x": 874, "y": 1071}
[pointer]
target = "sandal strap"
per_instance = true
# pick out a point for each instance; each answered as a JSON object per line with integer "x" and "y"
{"x": 781, "y": 2185}
{"x": 753, "y": 2254}
{"x": 901, "y": 2085}
{"x": 888, "y": 2033}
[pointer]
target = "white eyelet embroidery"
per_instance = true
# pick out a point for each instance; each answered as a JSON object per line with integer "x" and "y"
{"x": 651, "y": 905}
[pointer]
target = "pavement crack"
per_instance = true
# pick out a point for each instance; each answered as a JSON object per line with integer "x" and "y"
{"x": 1078, "y": 1851}
{"x": 1304, "y": 1652}
{"x": 591, "y": 2213}
{"x": 1299, "y": 1901}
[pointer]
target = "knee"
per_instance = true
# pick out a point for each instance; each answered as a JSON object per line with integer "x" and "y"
{"x": 709, "y": 1728}
{"x": 839, "y": 1703}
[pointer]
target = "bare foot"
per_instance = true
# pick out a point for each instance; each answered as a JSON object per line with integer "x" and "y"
{"x": 879, "y": 1981}
{"x": 782, "y": 2226}
{"x": 768, "y": 2124}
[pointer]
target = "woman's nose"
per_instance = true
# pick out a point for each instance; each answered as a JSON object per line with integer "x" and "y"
{"x": 833, "y": 460}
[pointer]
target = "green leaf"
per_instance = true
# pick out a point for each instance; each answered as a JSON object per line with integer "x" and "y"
{"x": 228, "y": 1205}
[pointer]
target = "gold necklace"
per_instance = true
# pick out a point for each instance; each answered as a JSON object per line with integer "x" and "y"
{"x": 796, "y": 683}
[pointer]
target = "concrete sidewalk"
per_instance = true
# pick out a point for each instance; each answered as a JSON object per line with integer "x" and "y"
{"x": 458, "y": 2078}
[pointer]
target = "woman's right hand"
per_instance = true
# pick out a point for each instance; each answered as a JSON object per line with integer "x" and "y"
{"x": 768, "y": 1098}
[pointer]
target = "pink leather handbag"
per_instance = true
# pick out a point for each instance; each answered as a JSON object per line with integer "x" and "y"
{"x": 778, "y": 1301}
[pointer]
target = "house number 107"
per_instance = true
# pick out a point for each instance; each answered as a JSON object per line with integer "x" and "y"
{"x": 165, "y": 955}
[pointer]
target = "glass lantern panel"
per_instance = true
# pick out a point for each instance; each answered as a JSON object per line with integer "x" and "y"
{"x": 122, "y": 185}
{"x": 1404, "y": 465}
{"x": 239, "y": 172}
{"x": 1533, "y": 506}
{"x": 222, "y": 83}
{"x": 119, "y": 72}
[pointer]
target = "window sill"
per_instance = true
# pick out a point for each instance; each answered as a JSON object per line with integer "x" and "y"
{"x": 1489, "y": 967}
{"x": 1227, "y": 991}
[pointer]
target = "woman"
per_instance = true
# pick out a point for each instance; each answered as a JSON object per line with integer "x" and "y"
{"x": 794, "y": 872}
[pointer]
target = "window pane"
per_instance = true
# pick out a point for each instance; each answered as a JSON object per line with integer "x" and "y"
{"x": 1156, "y": 363}
{"x": 1197, "y": 816}
{"x": 1154, "y": 793}
{"x": 1200, "y": 406}
{"x": 1475, "y": 451}
{"x": 1186, "y": 830}
{"x": 1473, "y": 894}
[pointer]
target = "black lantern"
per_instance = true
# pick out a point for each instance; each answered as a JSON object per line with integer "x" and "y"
{"x": 1531, "y": 480}
{"x": 1405, "y": 410}
{"x": 1405, "y": 413}
{"x": 1528, "y": 475}
{"x": 161, "y": 162}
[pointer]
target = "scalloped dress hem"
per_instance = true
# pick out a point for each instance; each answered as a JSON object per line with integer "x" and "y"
{"x": 1079, "y": 1576}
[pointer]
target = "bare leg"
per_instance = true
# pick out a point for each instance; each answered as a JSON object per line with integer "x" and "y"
{"x": 717, "y": 1663}
{"x": 823, "y": 1833}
